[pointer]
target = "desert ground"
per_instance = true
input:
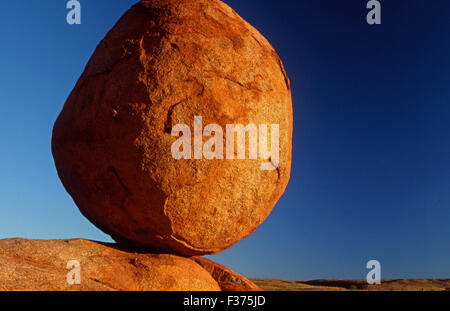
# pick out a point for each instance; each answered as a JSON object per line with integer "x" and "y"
{"x": 355, "y": 285}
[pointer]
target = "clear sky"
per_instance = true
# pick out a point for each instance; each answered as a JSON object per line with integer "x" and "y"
{"x": 371, "y": 150}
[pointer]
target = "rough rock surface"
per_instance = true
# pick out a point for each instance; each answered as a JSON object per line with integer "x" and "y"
{"x": 42, "y": 265}
{"x": 163, "y": 63}
{"x": 227, "y": 279}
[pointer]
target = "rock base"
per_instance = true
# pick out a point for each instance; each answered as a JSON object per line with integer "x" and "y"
{"x": 52, "y": 265}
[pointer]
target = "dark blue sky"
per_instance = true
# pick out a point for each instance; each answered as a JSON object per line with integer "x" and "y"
{"x": 371, "y": 151}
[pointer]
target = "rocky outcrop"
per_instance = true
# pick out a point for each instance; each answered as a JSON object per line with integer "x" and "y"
{"x": 162, "y": 64}
{"x": 42, "y": 265}
{"x": 227, "y": 279}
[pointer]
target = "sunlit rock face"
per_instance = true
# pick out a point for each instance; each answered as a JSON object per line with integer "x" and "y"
{"x": 163, "y": 64}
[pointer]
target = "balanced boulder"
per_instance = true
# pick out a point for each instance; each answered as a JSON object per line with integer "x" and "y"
{"x": 167, "y": 63}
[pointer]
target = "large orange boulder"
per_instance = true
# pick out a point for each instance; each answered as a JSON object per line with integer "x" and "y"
{"x": 49, "y": 264}
{"x": 163, "y": 64}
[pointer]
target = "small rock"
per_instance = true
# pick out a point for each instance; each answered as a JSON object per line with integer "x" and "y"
{"x": 227, "y": 279}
